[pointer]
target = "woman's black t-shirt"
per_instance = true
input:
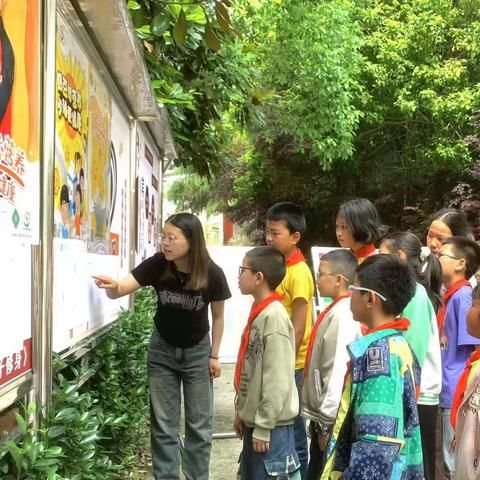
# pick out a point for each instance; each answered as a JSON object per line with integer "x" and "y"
{"x": 182, "y": 315}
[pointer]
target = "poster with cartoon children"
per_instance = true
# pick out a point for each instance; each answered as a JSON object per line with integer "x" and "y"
{"x": 102, "y": 181}
{"x": 71, "y": 136}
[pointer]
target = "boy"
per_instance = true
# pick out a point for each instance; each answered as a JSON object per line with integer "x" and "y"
{"x": 459, "y": 258}
{"x": 327, "y": 357}
{"x": 267, "y": 400}
{"x": 376, "y": 434}
{"x": 285, "y": 227}
{"x": 466, "y": 404}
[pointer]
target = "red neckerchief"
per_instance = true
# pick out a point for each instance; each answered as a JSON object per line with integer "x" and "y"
{"x": 462, "y": 387}
{"x": 365, "y": 251}
{"x": 320, "y": 317}
{"x": 294, "y": 258}
{"x": 254, "y": 312}
{"x": 443, "y": 309}
{"x": 400, "y": 324}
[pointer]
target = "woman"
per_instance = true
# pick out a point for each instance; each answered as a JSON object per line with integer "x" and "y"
{"x": 186, "y": 281}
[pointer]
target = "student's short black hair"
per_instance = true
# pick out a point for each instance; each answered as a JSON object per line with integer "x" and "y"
{"x": 362, "y": 219}
{"x": 81, "y": 173}
{"x": 467, "y": 249}
{"x": 64, "y": 195}
{"x": 342, "y": 261}
{"x": 456, "y": 221}
{"x": 389, "y": 276}
{"x": 291, "y": 214}
{"x": 269, "y": 261}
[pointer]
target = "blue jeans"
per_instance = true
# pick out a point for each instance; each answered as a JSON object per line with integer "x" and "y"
{"x": 168, "y": 367}
{"x": 300, "y": 427}
{"x": 280, "y": 461}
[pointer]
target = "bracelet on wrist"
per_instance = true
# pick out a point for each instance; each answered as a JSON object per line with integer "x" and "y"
{"x": 215, "y": 357}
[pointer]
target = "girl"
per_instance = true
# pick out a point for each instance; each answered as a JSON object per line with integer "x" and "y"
{"x": 358, "y": 227}
{"x": 423, "y": 334}
{"x": 447, "y": 223}
{"x": 186, "y": 281}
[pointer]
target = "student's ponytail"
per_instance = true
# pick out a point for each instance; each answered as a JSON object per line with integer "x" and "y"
{"x": 431, "y": 278}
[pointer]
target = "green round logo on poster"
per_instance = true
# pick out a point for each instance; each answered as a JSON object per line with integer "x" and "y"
{"x": 15, "y": 218}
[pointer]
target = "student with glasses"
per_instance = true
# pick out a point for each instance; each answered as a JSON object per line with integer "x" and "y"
{"x": 376, "y": 433}
{"x": 180, "y": 354}
{"x": 422, "y": 334}
{"x": 460, "y": 259}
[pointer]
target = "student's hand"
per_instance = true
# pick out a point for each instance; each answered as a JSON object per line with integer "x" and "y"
{"x": 238, "y": 426}
{"x": 215, "y": 368}
{"x": 260, "y": 446}
{"x": 102, "y": 281}
{"x": 323, "y": 441}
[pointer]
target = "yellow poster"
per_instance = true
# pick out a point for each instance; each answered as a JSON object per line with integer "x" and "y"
{"x": 71, "y": 136}
{"x": 102, "y": 180}
{"x": 19, "y": 120}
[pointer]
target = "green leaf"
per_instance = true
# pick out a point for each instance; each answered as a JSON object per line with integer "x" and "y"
{"x": 160, "y": 24}
{"x": 250, "y": 47}
{"x": 180, "y": 28}
{"x": 144, "y": 32}
{"x": 22, "y": 425}
{"x": 47, "y": 462}
{"x": 55, "y": 431}
{"x": 65, "y": 413}
{"x": 133, "y": 5}
{"x": 211, "y": 39}
{"x": 196, "y": 14}
{"x": 53, "y": 451}
{"x": 15, "y": 452}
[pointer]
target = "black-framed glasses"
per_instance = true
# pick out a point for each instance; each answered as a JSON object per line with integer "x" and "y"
{"x": 440, "y": 255}
{"x": 241, "y": 269}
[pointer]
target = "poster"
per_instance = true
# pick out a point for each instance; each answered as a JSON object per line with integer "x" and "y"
{"x": 15, "y": 323}
{"x": 79, "y": 307}
{"x": 71, "y": 137}
{"x": 320, "y": 303}
{"x": 147, "y": 200}
{"x": 102, "y": 178}
{"x": 86, "y": 194}
{"x": 120, "y": 225}
{"x": 19, "y": 120}
{"x": 237, "y": 308}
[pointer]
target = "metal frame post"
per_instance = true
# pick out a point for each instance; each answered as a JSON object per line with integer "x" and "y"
{"x": 132, "y": 185}
{"x": 43, "y": 329}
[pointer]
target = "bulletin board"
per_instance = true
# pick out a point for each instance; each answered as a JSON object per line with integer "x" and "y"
{"x": 147, "y": 193}
{"x": 91, "y": 194}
